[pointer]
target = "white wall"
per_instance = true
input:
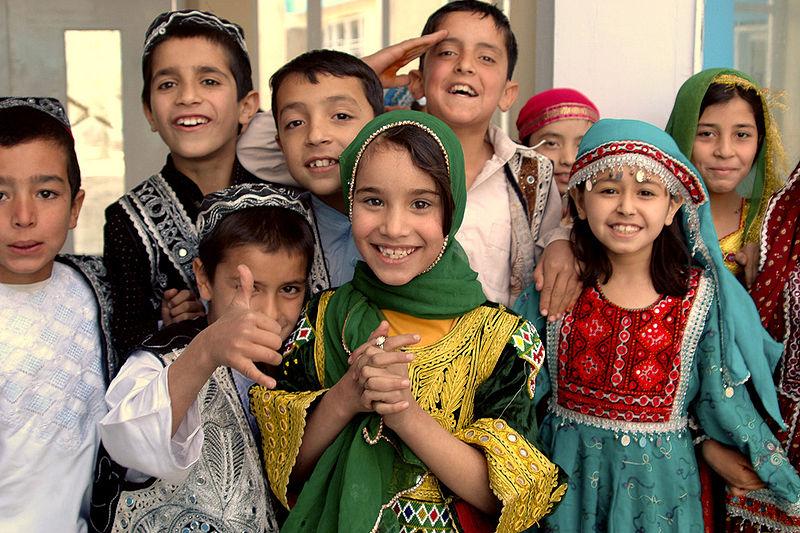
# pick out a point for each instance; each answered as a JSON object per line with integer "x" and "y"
{"x": 629, "y": 57}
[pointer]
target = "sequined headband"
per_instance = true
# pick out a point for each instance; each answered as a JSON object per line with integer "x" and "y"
{"x": 646, "y": 160}
{"x": 565, "y": 110}
{"x": 165, "y": 21}
{"x": 371, "y": 138}
{"x": 49, "y": 106}
{"x": 220, "y": 204}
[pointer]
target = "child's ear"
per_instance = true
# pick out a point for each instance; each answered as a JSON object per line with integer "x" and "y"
{"x": 510, "y": 92}
{"x": 248, "y": 107}
{"x": 675, "y": 203}
{"x": 203, "y": 283}
{"x": 75, "y": 208}
{"x": 148, "y": 114}
{"x": 416, "y": 84}
{"x": 278, "y": 140}
{"x": 577, "y": 197}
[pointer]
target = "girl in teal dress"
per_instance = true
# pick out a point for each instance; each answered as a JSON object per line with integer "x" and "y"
{"x": 656, "y": 353}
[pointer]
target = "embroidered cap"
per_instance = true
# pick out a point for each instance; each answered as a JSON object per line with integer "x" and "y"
{"x": 611, "y": 144}
{"x": 220, "y": 204}
{"x": 162, "y": 25}
{"x": 555, "y": 104}
{"x": 50, "y": 106}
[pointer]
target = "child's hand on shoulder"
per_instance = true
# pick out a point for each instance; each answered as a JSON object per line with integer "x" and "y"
{"x": 180, "y": 305}
{"x": 240, "y": 337}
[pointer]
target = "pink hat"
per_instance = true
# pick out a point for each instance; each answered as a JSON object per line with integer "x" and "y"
{"x": 554, "y": 104}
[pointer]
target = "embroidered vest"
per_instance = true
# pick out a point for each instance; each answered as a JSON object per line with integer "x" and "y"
{"x": 162, "y": 224}
{"x": 224, "y": 491}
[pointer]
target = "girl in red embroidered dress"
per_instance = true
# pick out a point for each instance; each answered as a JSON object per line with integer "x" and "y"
{"x": 648, "y": 341}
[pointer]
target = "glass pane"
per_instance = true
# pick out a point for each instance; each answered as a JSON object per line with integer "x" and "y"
{"x": 94, "y": 105}
{"x": 766, "y": 34}
{"x": 356, "y": 25}
{"x": 282, "y": 35}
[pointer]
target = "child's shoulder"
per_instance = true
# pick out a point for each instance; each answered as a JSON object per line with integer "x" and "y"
{"x": 173, "y": 337}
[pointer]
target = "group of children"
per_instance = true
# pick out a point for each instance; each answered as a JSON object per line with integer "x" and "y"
{"x": 302, "y": 322}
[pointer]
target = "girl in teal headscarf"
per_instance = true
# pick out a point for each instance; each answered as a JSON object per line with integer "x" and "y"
{"x": 372, "y": 437}
{"x": 660, "y": 330}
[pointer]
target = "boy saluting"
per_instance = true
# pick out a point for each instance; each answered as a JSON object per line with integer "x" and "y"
{"x": 513, "y": 206}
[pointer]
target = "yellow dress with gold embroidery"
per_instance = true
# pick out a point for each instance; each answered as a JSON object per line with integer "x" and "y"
{"x": 474, "y": 375}
{"x": 733, "y": 242}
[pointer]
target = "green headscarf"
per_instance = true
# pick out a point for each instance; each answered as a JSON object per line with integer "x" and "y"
{"x": 764, "y": 178}
{"x": 353, "y": 479}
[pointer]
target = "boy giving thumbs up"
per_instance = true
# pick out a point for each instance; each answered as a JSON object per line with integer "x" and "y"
{"x": 178, "y": 409}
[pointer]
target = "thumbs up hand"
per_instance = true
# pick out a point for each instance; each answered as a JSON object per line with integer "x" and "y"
{"x": 241, "y": 336}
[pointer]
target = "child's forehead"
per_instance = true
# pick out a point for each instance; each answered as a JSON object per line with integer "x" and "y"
{"x": 198, "y": 50}
{"x": 473, "y": 28}
{"x": 298, "y": 90}
{"x": 37, "y": 158}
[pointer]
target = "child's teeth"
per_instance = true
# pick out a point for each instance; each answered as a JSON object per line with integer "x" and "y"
{"x": 191, "y": 121}
{"x": 625, "y": 229}
{"x": 395, "y": 253}
{"x": 462, "y": 89}
{"x": 322, "y": 163}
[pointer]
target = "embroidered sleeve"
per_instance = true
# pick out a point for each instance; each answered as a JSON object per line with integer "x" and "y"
{"x": 727, "y": 414}
{"x": 525, "y": 481}
{"x": 529, "y": 348}
{"x": 281, "y": 417}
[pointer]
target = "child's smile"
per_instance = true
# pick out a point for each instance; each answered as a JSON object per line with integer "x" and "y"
{"x": 193, "y": 99}
{"x": 397, "y": 222}
{"x": 464, "y": 77}
{"x": 626, "y": 215}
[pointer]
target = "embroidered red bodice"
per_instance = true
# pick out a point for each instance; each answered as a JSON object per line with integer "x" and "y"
{"x": 623, "y": 364}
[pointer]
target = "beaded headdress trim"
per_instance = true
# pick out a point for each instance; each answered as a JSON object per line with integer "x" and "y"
{"x": 371, "y": 138}
{"x": 677, "y": 177}
{"x": 226, "y": 201}
{"x": 160, "y": 29}
{"x": 47, "y": 105}
{"x": 560, "y": 111}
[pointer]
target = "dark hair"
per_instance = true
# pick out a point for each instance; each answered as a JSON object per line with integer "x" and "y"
{"x": 272, "y": 228}
{"x": 427, "y": 155}
{"x": 483, "y": 10}
{"x": 720, "y": 93}
{"x": 19, "y": 125}
{"x": 320, "y": 62}
{"x": 668, "y": 262}
{"x": 238, "y": 61}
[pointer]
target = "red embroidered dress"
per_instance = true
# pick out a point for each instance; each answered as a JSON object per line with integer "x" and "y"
{"x": 623, "y": 364}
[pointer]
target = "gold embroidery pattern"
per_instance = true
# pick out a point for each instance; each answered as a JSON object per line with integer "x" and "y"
{"x": 446, "y": 374}
{"x": 281, "y": 416}
{"x": 319, "y": 342}
{"x": 524, "y": 480}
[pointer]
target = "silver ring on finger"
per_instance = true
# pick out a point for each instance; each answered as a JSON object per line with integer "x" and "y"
{"x": 379, "y": 341}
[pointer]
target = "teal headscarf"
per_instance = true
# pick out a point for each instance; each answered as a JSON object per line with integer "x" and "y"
{"x": 747, "y": 349}
{"x": 353, "y": 476}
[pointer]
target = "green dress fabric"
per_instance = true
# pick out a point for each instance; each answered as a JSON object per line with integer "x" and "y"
{"x": 630, "y": 470}
{"x": 353, "y": 479}
{"x": 765, "y": 177}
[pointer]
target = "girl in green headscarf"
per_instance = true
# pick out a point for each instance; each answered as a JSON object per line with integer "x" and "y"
{"x": 722, "y": 122}
{"x": 372, "y": 437}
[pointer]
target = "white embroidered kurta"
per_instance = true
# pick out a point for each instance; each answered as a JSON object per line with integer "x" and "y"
{"x": 51, "y": 398}
{"x": 137, "y": 431}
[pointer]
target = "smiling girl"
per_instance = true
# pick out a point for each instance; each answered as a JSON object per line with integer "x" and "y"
{"x": 439, "y": 436}
{"x": 657, "y": 332}
{"x": 722, "y": 122}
